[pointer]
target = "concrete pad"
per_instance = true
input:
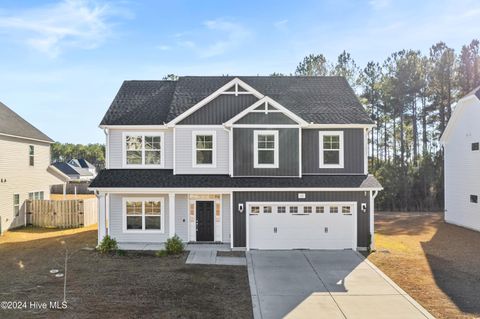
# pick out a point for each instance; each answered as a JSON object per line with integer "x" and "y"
{"x": 335, "y": 260}
{"x": 204, "y": 257}
{"x": 379, "y": 307}
{"x": 286, "y": 281}
{"x": 231, "y": 261}
{"x": 292, "y": 259}
{"x": 298, "y": 307}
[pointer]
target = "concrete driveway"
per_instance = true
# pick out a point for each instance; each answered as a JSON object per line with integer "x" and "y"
{"x": 324, "y": 284}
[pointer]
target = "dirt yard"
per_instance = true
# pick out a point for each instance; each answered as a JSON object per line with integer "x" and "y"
{"x": 436, "y": 263}
{"x": 130, "y": 286}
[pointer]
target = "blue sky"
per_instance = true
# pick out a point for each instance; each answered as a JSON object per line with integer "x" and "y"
{"x": 62, "y": 62}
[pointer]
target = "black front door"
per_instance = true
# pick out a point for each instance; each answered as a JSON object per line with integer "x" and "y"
{"x": 205, "y": 221}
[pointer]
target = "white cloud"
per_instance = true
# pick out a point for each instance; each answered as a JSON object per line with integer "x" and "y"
{"x": 229, "y": 35}
{"x": 379, "y": 4}
{"x": 51, "y": 29}
{"x": 164, "y": 47}
{"x": 281, "y": 25}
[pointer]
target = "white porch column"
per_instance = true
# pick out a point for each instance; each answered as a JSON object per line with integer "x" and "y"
{"x": 373, "y": 194}
{"x": 171, "y": 214}
{"x": 102, "y": 231}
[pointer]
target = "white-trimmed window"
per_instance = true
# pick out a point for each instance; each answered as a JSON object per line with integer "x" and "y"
{"x": 204, "y": 149}
{"x": 143, "y": 149}
{"x": 143, "y": 214}
{"x": 36, "y": 195}
{"x": 31, "y": 155}
{"x": 16, "y": 205}
{"x": 331, "y": 149}
{"x": 265, "y": 149}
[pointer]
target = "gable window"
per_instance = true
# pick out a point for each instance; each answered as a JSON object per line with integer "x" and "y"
{"x": 143, "y": 150}
{"x": 16, "y": 205}
{"x": 475, "y": 146}
{"x": 474, "y": 199}
{"x": 265, "y": 149}
{"x": 143, "y": 214}
{"x": 31, "y": 155}
{"x": 204, "y": 149}
{"x": 331, "y": 149}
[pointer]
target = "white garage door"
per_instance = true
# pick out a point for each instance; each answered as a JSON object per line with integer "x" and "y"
{"x": 292, "y": 225}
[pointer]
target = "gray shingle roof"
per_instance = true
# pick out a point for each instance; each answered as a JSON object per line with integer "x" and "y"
{"x": 156, "y": 178}
{"x": 13, "y": 124}
{"x": 322, "y": 100}
{"x": 65, "y": 168}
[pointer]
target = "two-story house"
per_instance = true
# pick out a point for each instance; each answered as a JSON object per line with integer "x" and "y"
{"x": 461, "y": 145}
{"x": 257, "y": 162}
{"x": 24, "y": 161}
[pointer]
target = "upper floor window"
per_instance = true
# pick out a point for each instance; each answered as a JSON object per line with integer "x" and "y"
{"x": 143, "y": 149}
{"x": 204, "y": 149}
{"x": 31, "y": 155}
{"x": 265, "y": 149}
{"x": 331, "y": 149}
{"x": 16, "y": 204}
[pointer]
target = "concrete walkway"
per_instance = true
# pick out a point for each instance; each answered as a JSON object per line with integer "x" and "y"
{"x": 207, "y": 255}
{"x": 324, "y": 284}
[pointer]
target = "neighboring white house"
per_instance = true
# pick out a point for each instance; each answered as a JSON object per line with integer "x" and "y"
{"x": 461, "y": 141}
{"x": 24, "y": 159}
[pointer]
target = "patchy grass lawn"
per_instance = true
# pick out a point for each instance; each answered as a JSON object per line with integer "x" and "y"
{"x": 132, "y": 286}
{"x": 438, "y": 264}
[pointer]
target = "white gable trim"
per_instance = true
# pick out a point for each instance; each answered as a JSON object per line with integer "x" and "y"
{"x": 268, "y": 100}
{"x": 456, "y": 116}
{"x": 223, "y": 90}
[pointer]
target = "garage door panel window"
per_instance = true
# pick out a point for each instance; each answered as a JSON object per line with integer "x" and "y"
{"x": 333, "y": 209}
{"x": 267, "y": 209}
{"x": 307, "y": 209}
{"x": 320, "y": 209}
{"x": 293, "y": 209}
{"x": 281, "y": 209}
{"x": 255, "y": 210}
{"x": 143, "y": 215}
{"x": 331, "y": 149}
{"x": 347, "y": 210}
{"x": 265, "y": 149}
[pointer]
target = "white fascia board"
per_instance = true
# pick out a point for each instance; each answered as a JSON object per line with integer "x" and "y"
{"x": 135, "y": 127}
{"x": 59, "y": 172}
{"x": 336, "y": 126}
{"x": 213, "y": 190}
{"x": 211, "y": 97}
{"x": 272, "y": 102}
{"x": 27, "y": 138}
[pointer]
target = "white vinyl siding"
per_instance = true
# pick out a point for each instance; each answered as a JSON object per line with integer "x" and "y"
{"x": 184, "y": 151}
{"x": 226, "y": 218}
{"x": 116, "y": 147}
{"x": 462, "y": 169}
{"x": 21, "y": 178}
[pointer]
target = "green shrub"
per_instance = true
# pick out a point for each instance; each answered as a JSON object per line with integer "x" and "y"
{"x": 174, "y": 246}
{"x": 107, "y": 244}
{"x": 121, "y": 252}
{"x": 161, "y": 253}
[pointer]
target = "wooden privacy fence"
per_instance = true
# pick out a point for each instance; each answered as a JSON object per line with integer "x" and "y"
{"x": 62, "y": 213}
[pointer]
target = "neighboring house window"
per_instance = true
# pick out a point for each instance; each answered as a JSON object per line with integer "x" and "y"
{"x": 475, "y": 146}
{"x": 204, "y": 149}
{"x": 36, "y": 195}
{"x": 474, "y": 199}
{"x": 331, "y": 149}
{"x": 31, "y": 155}
{"x": 143, "y": 149}
{"x": 265, "y": 149}
{"x": 143, "y": 214}
{"x": 16, "y": 204}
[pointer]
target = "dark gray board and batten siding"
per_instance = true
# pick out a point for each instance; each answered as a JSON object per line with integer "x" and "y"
{"x": 239, "y": 218}
{"x": 353, "y": 152}
{"x": 220, "y": 110}
{"x": 243, "y": 149}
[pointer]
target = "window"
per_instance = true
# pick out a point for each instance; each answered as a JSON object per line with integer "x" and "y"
{"x": 281, "y": 209}
{"x": 267, "y": 209}
{"x": 474, "y": 199}
{"x": 346, "y": 210}
{"x": 143, "y": 214}
{"x": 16, "y": 205}
{"x": 255, "y": 210}
{"x": 307, "y": 209}
{"x": 331, "y": 149}
{"x": 320, "y": 209}
{"x": 143, "y": 149}
{"x": 475, "y": 146}
{"x": 204, "y": 149}
{"x": 333, "y": 209}
{"x": 36, "y": 195}
{"x": 293, "y": 209}
{"x": 31, "y": 155}
{"x": 265, "y": 149}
